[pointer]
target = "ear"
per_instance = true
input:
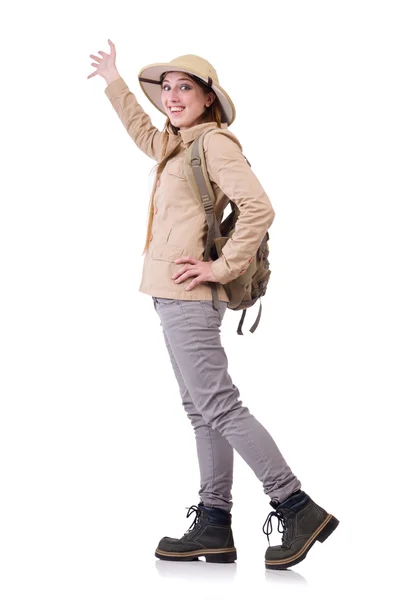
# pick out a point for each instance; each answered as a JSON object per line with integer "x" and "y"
{"x": 210, "y": 99}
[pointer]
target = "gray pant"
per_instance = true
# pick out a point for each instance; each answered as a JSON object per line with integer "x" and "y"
{"x": 191, "y": 331}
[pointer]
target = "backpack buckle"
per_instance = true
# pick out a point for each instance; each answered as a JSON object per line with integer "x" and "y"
{"x": 196, "y": 161}
{"x": 208, "y": 206}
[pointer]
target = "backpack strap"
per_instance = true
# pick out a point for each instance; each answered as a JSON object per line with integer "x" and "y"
{"x": 258, "y": 317}
{"x": 240, "y": 325}
{"x": 201, "y": 185}
{"x": 195, "y": 159}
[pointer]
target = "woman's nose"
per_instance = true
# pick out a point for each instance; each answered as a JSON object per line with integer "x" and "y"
{"x": 174, "y": 95}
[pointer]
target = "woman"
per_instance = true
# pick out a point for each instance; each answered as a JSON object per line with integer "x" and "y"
{"x": 187, "y": 91}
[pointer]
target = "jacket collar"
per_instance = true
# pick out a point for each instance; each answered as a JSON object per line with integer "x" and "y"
{"x": 189, "y": 135}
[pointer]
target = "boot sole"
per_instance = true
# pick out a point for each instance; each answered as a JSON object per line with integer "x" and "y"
{"x": 221, "y": 555}
{"x": 327, "y": 527}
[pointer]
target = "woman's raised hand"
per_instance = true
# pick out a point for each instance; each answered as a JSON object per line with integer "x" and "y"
{"x": 106, "y": 66}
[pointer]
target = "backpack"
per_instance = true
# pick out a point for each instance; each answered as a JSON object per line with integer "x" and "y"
{"x": 249, "y": 286}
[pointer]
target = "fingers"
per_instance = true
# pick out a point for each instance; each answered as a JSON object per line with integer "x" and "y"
{"x": 189, "y": 262}
{"x": 193, "y": 284}
{"x": 184, "y": 259}
{"x": 101, "y": 60}
{"x": 196, "y": 281}
{"x": 182, "y": 276}
{"x": 192, "y": 267}
{"x": 189, "y": 259}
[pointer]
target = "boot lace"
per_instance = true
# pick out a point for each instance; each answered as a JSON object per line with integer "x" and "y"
{"x": 268, "y": 526}
{"x": 191, "y": 510}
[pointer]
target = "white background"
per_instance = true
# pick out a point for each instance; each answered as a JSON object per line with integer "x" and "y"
{"x": 97, "y": 456}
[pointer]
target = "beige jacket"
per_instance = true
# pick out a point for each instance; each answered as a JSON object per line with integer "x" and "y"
{"x": 179, "y": 223}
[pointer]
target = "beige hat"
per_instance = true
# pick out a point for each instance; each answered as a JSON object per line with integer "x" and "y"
{"x": 149, "y": 79}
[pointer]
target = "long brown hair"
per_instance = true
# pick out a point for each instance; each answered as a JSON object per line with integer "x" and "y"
{"x": 212, "y": 113}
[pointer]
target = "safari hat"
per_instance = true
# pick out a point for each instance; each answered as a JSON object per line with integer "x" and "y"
{"x": 150, "y": 82}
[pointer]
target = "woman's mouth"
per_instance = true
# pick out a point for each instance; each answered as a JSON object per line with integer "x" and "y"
{"x": 176, "y": 110}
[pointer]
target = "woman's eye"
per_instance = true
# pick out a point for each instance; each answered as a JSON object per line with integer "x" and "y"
{"x": 184, "y": 85}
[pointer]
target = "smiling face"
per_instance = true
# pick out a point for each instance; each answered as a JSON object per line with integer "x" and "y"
{"x": 183, "y": 99}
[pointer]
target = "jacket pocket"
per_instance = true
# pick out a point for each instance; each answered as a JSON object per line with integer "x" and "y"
{"x": 175, "y": 168}
{"x": 166, "y": 252}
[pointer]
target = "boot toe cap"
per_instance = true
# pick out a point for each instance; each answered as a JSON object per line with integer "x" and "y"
{"x": 285, "y": 551}
{"x": 276, "y": 552}
{"x": 168, "y": 544}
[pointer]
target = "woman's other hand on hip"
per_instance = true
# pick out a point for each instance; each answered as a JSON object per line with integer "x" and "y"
{"x": 192, "y": 267}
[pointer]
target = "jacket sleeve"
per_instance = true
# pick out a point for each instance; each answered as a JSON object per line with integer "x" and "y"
{"x": 135, "y": 120}
{"x": 228, "y": 168}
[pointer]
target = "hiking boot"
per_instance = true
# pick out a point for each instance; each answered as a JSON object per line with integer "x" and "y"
{"x": 303, "y": 523}
{"x": 210, "y": 535}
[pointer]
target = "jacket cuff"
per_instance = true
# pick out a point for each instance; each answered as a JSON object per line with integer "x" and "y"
{"x": 115, "y": 87}
{"x": 220, "y": 271}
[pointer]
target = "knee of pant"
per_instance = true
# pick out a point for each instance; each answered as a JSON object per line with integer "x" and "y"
{"x": 219, "y": 419}
{"x": 189, "y": 407}
{"x": 194, "y": 416}
{"x": 197, "y": 421}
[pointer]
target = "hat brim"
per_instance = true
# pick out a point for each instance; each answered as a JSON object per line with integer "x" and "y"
{"x": 152, "y": 88}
